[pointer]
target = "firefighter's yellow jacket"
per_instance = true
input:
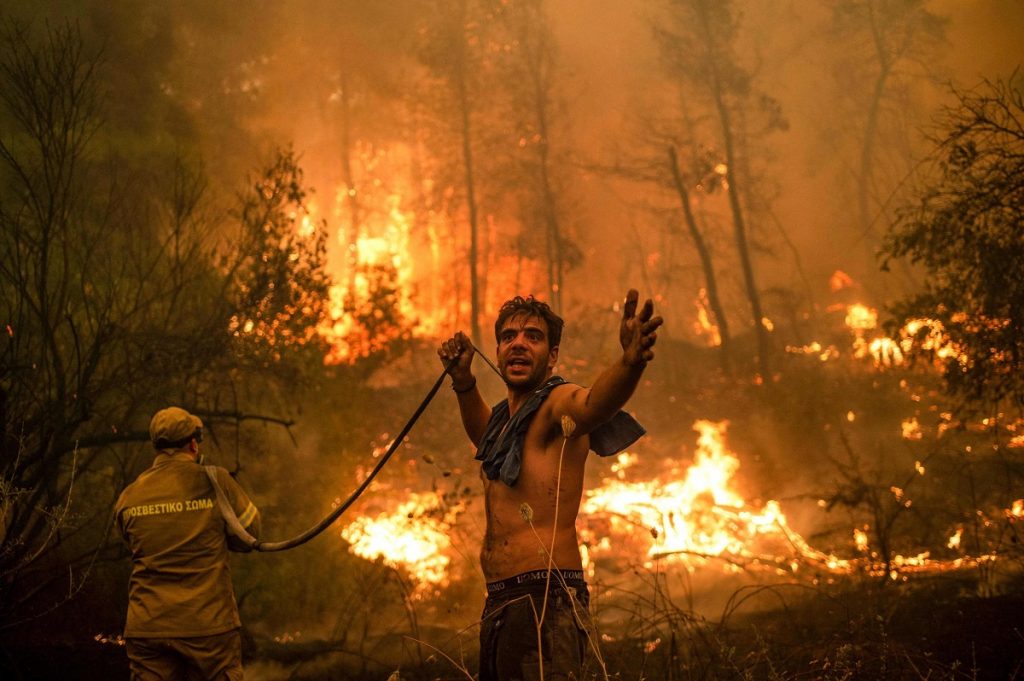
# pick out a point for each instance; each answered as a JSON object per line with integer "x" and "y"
{"x": 180, "y": 584}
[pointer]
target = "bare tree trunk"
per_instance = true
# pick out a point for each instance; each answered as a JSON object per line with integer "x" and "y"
{"x": 467, "y": 158}
{"x": 867, "y": 154}
{"x": 738, "y": 221}
{"x": 533, "y": 68}
{"x": 556, "y": 263}
{"x": 867, "y": 157}
{"x": 351, "y": 255}
{"x": 705, "y": 260}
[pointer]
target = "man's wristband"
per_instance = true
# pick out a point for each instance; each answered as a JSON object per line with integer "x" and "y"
{"x": 466, "y": 389}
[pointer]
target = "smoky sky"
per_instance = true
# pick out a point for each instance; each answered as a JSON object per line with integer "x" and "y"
{"x": 230, "y": 82}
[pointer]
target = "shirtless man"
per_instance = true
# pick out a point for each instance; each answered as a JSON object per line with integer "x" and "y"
{"x": 533, "y": 447}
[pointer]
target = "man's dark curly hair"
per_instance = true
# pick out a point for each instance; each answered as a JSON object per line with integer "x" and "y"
{"x": 531, "y": 307}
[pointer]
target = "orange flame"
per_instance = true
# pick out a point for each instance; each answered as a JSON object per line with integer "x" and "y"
{"x": 704, "y": 326}
{"x": 417, "y": 276}
{"x": 701, "y": 517}
{"x": 926, "y": 334}
{"x": 415, "y": 537}
{"x": 691, "y": 517}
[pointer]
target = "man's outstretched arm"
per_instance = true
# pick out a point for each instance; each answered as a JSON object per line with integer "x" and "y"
{"x": 456, "y": 353}
{"x": 591, "y": 407}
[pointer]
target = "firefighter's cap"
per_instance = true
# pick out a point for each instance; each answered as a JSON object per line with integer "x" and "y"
{"x": 173, "y": 428}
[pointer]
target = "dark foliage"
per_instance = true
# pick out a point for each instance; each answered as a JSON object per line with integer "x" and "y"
{"x": 964, "y": 227}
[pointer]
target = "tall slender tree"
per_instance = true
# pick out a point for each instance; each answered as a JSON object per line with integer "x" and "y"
{"x": 452, "y": 55}
{"x": 530, "y": 81}
{"x": 707, "y": 265}
{"x": 697, "y": 45}
{"x": 894, "y": 44}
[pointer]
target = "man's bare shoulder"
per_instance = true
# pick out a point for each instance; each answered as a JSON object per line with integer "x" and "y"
{"x": 561, "y": 395}
{"x": 557, "y": 405}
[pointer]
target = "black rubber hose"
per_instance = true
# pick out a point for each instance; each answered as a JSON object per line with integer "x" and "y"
{"x": 336, "y": 513}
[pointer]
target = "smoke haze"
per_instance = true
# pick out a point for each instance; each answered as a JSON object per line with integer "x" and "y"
{"x": 830, "y": 134}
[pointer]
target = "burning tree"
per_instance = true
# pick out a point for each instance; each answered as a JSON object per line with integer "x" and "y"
{"x": 538, "y": 111}
{"x": 452, "y": 53}
{"x": 698, "y": 48}
{"x": 278, "y": 280}
{"x": 964, "y": 226}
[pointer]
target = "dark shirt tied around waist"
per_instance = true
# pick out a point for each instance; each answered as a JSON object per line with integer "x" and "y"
{"x": 501, "y": 449}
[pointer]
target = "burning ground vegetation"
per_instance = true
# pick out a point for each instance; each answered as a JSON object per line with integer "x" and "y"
{"x": 837, "y": 522}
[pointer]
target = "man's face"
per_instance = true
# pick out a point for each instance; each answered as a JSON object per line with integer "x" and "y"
{"x": 525, "y": 357}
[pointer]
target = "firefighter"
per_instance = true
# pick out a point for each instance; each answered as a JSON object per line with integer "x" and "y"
{"x": 182, "y": 616}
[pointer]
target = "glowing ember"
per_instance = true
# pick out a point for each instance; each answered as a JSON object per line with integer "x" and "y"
{"x": 886, "y": 352}
{"x": 839, "y": 280}
{"x": 860, "y": 540}
{"x": 911, "y": 429}
{"x": 109, "y": 639}
{"x": 925, "y": 334}
{"x": 814, "y": 348}
{"x": 861, "y": 317}
{"x": 930, "y": 335}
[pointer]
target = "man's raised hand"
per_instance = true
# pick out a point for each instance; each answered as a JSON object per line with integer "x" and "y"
{"x": 456, "y": 354}
{"x": 638, "y": 332}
